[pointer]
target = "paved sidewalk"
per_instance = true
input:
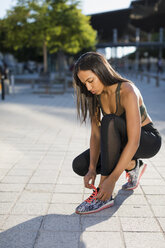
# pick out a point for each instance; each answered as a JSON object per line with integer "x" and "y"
{"x": 39, "y": 137}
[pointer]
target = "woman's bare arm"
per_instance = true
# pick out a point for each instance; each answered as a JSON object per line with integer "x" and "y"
{"x": 94, "y": 153}
{"x": 130, "y": 102}
{"x": 94, "y": 144}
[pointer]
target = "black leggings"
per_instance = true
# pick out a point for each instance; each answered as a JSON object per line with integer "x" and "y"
{"x": 113, "y": 141}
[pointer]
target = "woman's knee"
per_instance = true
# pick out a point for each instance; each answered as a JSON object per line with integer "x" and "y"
{"x": 75, "y": 166}
{"x": 79, "y": 167}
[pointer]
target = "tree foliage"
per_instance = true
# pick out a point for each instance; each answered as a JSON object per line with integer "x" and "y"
{"x": 54, "y": 25}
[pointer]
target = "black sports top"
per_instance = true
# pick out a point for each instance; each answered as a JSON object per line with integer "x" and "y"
{"x": 120, "y": 110}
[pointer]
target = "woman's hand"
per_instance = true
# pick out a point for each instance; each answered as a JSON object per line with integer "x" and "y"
{"x": 90, "y": 176}
{"x": 106, "y": 189}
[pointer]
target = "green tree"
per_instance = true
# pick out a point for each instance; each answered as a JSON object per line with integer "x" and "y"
{"x": 2, "y": 36}
{"x": 48, "y": 25}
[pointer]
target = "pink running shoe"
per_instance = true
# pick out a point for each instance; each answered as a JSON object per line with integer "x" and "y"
{"x": 93, "y": 205}
{"x": 134, "y": 176}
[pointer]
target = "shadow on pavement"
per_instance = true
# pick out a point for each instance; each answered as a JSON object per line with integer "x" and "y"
{"x": 57, "y": 230}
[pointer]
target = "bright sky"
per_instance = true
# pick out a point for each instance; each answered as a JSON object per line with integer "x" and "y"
{"x": 87, "y": 6}
{"x": 5, "y": 5}
{"x": 95, "y": 6}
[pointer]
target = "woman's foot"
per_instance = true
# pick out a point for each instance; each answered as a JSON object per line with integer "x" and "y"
{"x": 134, "y": 175}
{"x": 93, "y": 205}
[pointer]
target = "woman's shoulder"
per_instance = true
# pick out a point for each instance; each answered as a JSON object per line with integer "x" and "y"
{"x": 128, "y": 87}
{"x": 129, "y": 90}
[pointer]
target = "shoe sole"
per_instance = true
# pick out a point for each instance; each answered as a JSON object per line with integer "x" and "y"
{"x": 108, "y": 205}
{"x": 140, "y": 175}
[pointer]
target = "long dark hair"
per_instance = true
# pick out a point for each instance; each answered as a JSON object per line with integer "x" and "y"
{"x": 86, "y": 101}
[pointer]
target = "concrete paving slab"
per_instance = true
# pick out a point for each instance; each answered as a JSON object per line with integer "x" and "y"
{"x": 2, "y": 219}
{"x": 30, "y": 197}
{"x": 100, "y": 224}
{"x": 36, "y": 187}
{"x": 30, "y": 209}
{"x": 135, "y": 211}
{"x": 132, "y": 199}
{"x": 31, "y": 165}
{"x": 20, "y": 172}
{"x": 5, "y": 207}
{"x": 158, "y": 211}
{"x": 68, "y": 198}
{"x": 102, "y": 239}
{"x": 11, "y": 187}
{"x": 8, "y": 196}
{"x": 154, "y": 190}
{"x": 46, "y": 173}
{"x": 70, "y": 180}
{"x": 140, "y": 224}
{"x": 152, "y": 181}
{"x": 57, "y": 239}
{"x": 59, "y": 223}
{"x": 162, "y": 223}
{"x": 43, "y": 179}
{"x": 23, "y": 222}
{"x": 67, "y": 188}
{"x": 3, "y": 173}
{"x": 158, "y": 200}
{"x": 151, "y": 172}
{"x": 18, "y": 238}
{"x": 118, "y": 190}
{"x": 143, "y": 239}
{"x": 62, "y": 208}
{"x": 15, "y": 179}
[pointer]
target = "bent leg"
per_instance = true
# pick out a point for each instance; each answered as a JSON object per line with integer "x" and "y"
{"x": 81, "y": 163}
{"x": 150, "y": 142}
{"x": 113, "y": 140}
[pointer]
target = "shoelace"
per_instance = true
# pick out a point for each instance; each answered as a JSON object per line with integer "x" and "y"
{"x": 93, "y": 195}
{"x": 128, "y": 176}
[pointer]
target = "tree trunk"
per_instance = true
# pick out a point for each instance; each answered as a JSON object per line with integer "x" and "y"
{"x": 45, "y": 57}
{"x": 61, "y": 62}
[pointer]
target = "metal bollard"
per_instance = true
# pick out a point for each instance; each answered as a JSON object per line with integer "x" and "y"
{"x": 2, "y": 88}
{"x": 12, "y": 84}
{"x": 157, "y": 80}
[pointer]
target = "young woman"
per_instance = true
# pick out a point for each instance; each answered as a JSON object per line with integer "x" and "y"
{"x": 119, "y": 139}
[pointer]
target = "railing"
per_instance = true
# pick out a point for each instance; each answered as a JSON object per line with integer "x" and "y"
{"x": 158, "y": 77}
{"x": 48, "y": 84}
